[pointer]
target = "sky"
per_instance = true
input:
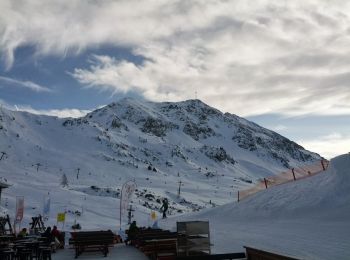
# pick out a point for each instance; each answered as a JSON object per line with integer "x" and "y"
{"x": 282, "y": 64}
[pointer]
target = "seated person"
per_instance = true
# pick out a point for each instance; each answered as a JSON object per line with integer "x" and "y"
{"x": 23, "y": 233}
{"x": 48, "y": 235}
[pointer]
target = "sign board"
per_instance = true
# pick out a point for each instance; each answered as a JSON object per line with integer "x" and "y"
{"x": 61, "y": 217}
{"x": 19, "y": 208}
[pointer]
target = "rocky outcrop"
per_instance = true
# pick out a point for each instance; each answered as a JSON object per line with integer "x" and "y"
{"x": 157, "y": 126}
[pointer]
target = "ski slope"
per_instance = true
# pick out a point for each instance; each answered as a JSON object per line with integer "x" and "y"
{"x": 308, "y": 219}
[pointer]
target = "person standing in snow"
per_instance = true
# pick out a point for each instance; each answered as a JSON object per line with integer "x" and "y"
{"x": 132, "y": 232}
{"x": 58, "y": 237}
{"x": 164, "y": 207}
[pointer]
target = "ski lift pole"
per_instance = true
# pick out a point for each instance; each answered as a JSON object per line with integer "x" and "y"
{"x": 130, "y": 215}
{"x": 179, "y": 191}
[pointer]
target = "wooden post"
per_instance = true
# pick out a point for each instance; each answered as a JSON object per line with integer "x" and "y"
{"x": 323, "y": 166}
{"x": 293, "y": 173}
{"x": 265, "y": 183}
{"x": 238, "y": 196}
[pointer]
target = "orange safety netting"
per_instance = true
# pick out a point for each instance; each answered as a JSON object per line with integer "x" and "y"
{"x": 284, "y": 177}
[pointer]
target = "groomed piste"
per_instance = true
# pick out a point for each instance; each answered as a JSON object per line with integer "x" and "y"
{"x": 308, "y": 219}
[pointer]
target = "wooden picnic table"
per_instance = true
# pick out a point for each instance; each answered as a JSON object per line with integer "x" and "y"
{"x": 157, "y": 243}
{"x": 91, "y": 241}
{"x": 30, "y": 247}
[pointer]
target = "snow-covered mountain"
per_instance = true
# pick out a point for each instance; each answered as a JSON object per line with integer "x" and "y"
{"x": 158, "y": 144}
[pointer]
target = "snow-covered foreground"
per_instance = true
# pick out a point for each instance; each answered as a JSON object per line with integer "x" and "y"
{"x": 118, "y": 252}
{"x": 308, "y": 219}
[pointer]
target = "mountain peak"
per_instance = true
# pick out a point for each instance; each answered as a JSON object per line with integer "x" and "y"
{"x": 157, "y": 144}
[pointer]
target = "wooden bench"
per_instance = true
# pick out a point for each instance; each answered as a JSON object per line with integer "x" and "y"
{"x": 91, "y": 241}
{"x": 147, "y": 237}
{"x": 159, "y": 248}
{"x": 156, "y": 244}
{"x": 141, "y": 237}
{"x": 257, "y": 254}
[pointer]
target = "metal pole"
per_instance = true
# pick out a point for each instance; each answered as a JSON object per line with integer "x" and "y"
{"x": 120, "y": 208}
{"x": 178, "y": 194}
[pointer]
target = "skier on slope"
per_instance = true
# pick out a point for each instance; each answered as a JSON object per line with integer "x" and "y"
{"x": 164, "y": 207}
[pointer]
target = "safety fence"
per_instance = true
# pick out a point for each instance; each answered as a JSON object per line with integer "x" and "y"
{"x": 284, "y": 177}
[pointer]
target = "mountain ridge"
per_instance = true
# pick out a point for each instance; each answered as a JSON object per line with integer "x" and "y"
{"x": 157, "y": 144}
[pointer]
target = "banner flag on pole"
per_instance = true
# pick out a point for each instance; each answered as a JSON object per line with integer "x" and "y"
{"x": 19, "y": 208}
{"x": 46, "y": 207}
{"x": 127, "y": 191}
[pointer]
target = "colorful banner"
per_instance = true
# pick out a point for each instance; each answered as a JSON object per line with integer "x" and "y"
{"x": 19, "y": 208}
{"x": 127, "y": 191}
{"x": 61, "y": 217}
{"x": 46, "y": 207}
{"x": 126, "y": 194}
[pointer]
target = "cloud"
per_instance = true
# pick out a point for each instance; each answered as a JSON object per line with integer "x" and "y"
{"x": 24, "y": 84}
{"x": 288, "y": 57}
{"x": 279, "y": 128}
{"x": 328, "y": 146}
{"x": 62, "y": 113}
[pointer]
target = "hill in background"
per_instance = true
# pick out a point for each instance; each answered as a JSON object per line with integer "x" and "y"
{"x": 156, "y": 144}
